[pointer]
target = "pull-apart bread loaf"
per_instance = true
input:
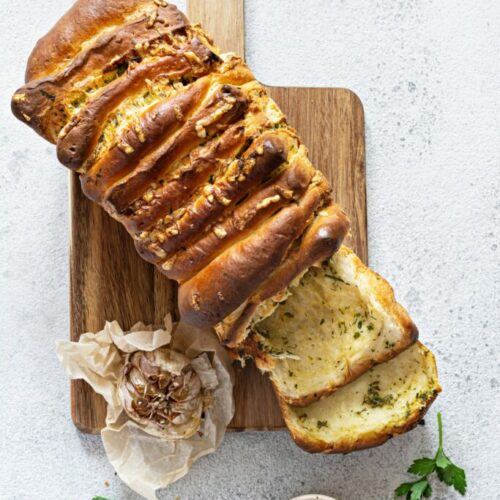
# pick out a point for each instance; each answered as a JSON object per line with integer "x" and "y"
{"x": 185, "y": 148}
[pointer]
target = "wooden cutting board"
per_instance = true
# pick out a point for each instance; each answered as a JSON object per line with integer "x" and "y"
{"x": 110, "y": 281}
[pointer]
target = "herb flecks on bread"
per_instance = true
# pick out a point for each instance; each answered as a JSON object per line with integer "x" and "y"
{"x": 389, "y": 399}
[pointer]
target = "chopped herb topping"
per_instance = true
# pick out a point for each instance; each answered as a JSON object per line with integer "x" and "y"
{"x": 264, "y": 333}
{"x": 373, "y": 397}
{"x": 121, "y": 68}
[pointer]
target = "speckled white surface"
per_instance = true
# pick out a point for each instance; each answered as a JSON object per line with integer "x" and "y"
{"x": 427, "y": 72}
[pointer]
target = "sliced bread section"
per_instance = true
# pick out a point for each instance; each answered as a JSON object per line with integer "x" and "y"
{"x": 388, "y": 400}
{"x": 338, "y": 321}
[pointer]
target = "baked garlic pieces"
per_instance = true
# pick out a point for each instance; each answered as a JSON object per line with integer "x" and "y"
{"x": 165, "y": 392}
{"x": 169, "y": 395}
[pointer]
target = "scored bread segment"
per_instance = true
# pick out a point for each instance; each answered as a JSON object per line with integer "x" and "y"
{"x": 338, "y": 321}
{"x": 388, "y": 400}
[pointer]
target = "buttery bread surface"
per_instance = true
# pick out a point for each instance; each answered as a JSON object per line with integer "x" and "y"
{"x": 388, "y": 400}
{"x": 182, "y": 146}
{"x": 334, "y": 324}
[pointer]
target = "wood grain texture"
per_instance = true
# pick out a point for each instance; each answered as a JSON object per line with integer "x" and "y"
{"x": 110, "y": 281}
{"x": 223, "y": 19}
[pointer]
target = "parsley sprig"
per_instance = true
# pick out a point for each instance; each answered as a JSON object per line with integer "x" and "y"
{"x": 444, "y": 468}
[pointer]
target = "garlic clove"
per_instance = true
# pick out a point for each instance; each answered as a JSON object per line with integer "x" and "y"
{"x": 162, "y": 392}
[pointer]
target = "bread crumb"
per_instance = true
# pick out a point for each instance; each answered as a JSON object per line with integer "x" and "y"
{"x": 200, "y": 130}
{"x": 223, "y": 200}
{"x": 195, "y": 301}
{"x": 267, "y": 201}
{"x": 125, "y": 147}
{"x": 167, "y": 265}
{"x": 178, "y": 114}
{"x": 152, "y": 18}
{"x": 220, "y": 232}
{"x": 173, "y": 231}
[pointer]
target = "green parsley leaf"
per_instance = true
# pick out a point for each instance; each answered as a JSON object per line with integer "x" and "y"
{"x": 422, "y": 466}
{"x": 445, "y": 469}
{"x": 442, "y": 461}
{"x": 100, "y": 498}
{"x": 418, "y": 488}
{"x": 455, "y": 476}
{"x": 403, "y": 489}
{"x": 440, "y": 473}
{"x": 428, "y": 491}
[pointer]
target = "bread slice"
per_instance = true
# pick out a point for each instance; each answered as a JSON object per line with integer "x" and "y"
{"x": 338, "y": 321}
{"x": 388, "y": 400}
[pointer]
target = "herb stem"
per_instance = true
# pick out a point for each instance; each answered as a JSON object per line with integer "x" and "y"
{"x": 440, "y": 430}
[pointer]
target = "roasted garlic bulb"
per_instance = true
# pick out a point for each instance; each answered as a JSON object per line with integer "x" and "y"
{"x": 162, "y": 392}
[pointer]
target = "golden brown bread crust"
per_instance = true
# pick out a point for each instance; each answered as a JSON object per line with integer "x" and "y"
{"x": 50, "y": 82}
{"x": 221, "y": 286}
{"x": 182, "y": 146}
{"x": 80, "y": 135}
{"x": 157, "y": 122}
{"x": 259, "y": 206}
{"x": 82, "y": 22}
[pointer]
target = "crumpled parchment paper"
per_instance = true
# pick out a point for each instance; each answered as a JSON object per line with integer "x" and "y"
{"x": 145, "y": 462}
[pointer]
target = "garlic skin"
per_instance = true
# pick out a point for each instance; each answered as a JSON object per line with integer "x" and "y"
{"x": 161, "y": 391}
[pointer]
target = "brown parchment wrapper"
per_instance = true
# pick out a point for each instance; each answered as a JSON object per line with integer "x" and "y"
{"x": 143, "y": 461}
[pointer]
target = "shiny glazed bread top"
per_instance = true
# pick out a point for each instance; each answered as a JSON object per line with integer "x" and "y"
{"x": 184, "y": 147}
